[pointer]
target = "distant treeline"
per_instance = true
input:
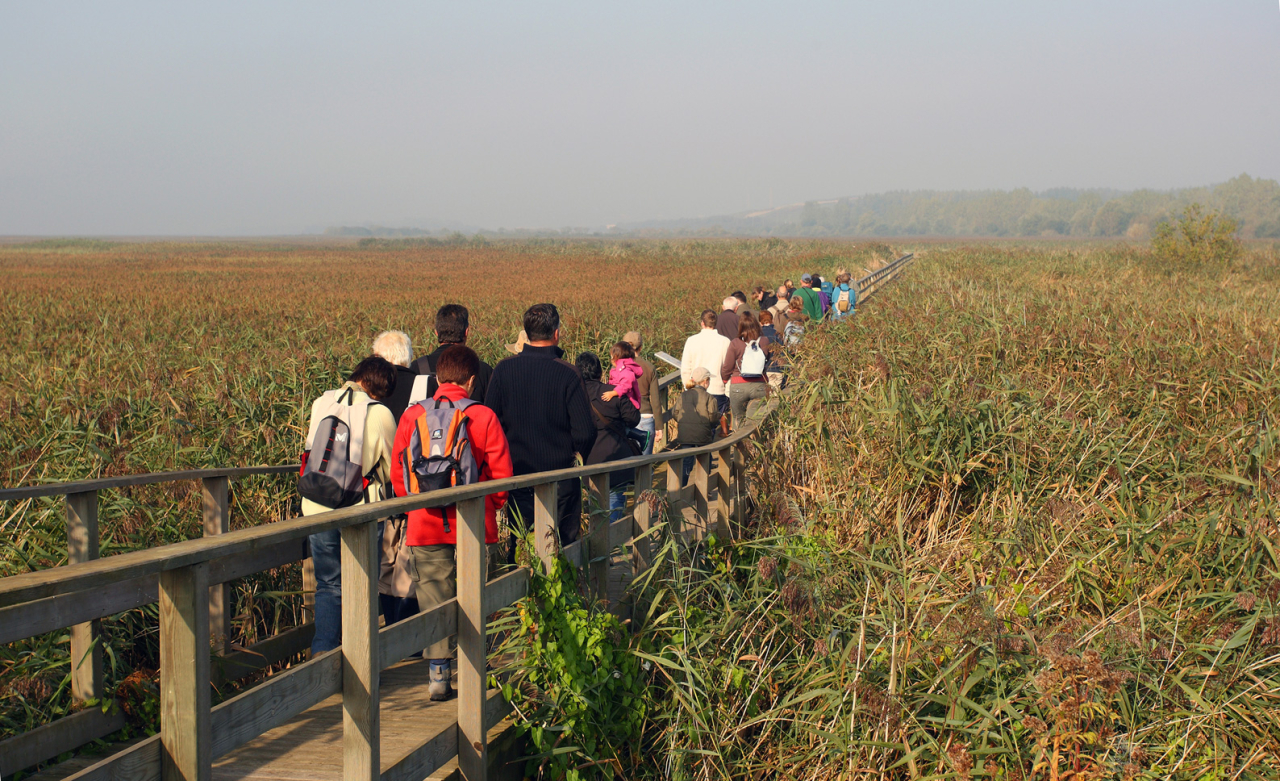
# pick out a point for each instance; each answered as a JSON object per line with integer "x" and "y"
{"x": 1060, "y": 212}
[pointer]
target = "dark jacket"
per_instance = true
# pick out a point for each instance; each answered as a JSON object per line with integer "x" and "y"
{"x": 650, "y": 390}
{"x": 427, "y": 365}
{"x": 727, "y": 324}
{"x": 698, "y": 416}
{"x": 399, "y": 398}
{"x": 768, "y": 301}
{"x": 540, "y": 402}
{"x": 612, "y": 419}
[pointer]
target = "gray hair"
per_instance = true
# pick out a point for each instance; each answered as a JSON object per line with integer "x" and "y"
{"x": 395, "y": 347}
{"x": 730, "y": 304}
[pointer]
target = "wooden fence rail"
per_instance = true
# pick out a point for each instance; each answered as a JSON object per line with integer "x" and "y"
{"x": 189, "y": 579}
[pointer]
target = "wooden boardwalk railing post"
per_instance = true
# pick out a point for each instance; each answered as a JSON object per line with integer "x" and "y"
{"x": 598, "y": 539}
{"x": 546, "y": 522}
{"x": 701, "y": 479}
{"x": 472, "y": 570}
{"x": 217, "y": 521}
{"x": 361, "y": 661}
{"x": 674, "y": 477}
{"x": 82, "y": 546}
{"x": 641, "y": 515}
{"x": 724, "y": 490}
{"x": 185, "y": 731}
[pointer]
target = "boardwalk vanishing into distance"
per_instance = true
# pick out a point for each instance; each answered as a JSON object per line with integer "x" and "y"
{"x": 359, "y": 711}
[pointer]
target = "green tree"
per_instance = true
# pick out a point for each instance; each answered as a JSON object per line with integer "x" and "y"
{"x": 1198, "y": 238}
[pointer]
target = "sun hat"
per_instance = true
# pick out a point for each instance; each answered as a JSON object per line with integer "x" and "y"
{"x": 521, "y": 341}
{"x": 806, "y": 277}
{"x": 699, "y": 374}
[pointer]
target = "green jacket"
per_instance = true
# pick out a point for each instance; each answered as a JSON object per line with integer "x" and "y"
{"x": 812, "y": 303}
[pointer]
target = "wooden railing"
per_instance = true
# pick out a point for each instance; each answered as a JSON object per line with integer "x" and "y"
{"x": 189, "y": 580}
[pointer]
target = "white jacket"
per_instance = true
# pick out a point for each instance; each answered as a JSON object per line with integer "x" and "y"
{"x": 706, "y": 349}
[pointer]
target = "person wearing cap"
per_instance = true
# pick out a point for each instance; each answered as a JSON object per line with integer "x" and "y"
{"x": 650, "y": 392}
{"x": 697, "y": 415}
{"x": 707, "y": 349}
{"x": 453, "y": 326}
{"x": 812, "y": 301}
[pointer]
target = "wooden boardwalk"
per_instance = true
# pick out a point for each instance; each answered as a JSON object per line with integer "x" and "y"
{"x": 309, "y": 748}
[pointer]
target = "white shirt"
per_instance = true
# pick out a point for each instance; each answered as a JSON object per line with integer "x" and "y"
{"x": 706, "y": 349}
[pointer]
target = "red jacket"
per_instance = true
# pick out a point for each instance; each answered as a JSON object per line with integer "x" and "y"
{"x": 488, "y": 444}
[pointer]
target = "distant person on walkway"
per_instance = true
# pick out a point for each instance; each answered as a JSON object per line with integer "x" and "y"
{"x": 453, "y": 326}
{"x": 358, "y": 400}
{"x": 823, "y": 289}
{"x": 810, "y": 298}
{"x": 543, "y": 408}
{"x": 706, "y": 349}
{"x": 774, "y": 369}
{"x": 744, "y": 372}
{"x": 766, "y": 326}
{"x": 764, "y": 298}
{"x": 697, "y": 416}
{"x": 791, "y": 290}
{"x": 614, "y": 415}
{"x": 727, "y": 320}
{"x": 794, "y": 322}
{"x": 844, "y": 297}
{"x": 397, "y": 349}
{"x": 433, "y": 533}
{"x": 779, "y": 307}
{"x": 625, "y": 376}
{"x": 742, "y": 299}
{"x": 650, "y": 392}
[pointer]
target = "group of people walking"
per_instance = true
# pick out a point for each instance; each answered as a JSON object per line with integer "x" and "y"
{"x": 400, "y": 426}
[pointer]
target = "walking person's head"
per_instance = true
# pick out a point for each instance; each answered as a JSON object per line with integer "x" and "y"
{"x": 458, "y": 365}
{"x": 796, "y": 305}
{"x": 784, "y": 291}
{"x": 453, "y": 324}
{"x": 708, "y": 319}
{"x": 815, "y": 281}
{"x": 748, "y": 329}
{"x": 730, "y": 304}
{"x": 806, "y": 280}
{"x": 395, "y": 347}
{"x": 375, "y": 376}
{"x": 766, "y": 318}
{"x": 542, "y": 325}
{"x": 742, "y": 297}
{"x": 621, "y": 350}
{"x": 758, "y": 293}
{"x": 589, "y": 367}
{"x": 843, "y": 278}
{"x": 633, "y": 338}
{"x": 700, "y": 376}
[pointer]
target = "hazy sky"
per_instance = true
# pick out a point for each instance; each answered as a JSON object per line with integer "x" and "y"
{"x": 165, "y": 118}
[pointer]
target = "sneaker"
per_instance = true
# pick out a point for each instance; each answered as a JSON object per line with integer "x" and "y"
{"x": 439, "y": 688}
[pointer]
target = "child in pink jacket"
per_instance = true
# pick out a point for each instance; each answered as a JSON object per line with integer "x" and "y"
{"x": 624, "y": 376}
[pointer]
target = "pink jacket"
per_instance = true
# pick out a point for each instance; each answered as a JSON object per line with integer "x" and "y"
{"x": 623, "y": 378}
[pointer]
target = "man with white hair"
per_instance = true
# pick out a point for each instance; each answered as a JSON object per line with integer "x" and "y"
{"x": 707, "y": 349}
{"x": 781, "y": 305}
{"x": 727, "y": 321}
{"x": 396, "y": 348}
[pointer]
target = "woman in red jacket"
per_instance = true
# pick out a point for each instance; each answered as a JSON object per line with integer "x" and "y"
{"x": 432, "y": 534}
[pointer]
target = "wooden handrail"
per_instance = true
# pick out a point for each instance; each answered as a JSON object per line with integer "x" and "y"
{"x": 98, "y": 573}
{"x": 125, "y": 481}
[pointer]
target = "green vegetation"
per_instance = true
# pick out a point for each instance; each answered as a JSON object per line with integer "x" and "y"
{"x": 1197, "y": 239}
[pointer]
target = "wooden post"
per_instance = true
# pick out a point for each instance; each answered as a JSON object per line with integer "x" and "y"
{"x": 82, "y": 546}
{"x": 546, "y": 522}
{"x": 598, "y": 539}
{"x": 185, "y": 726}
{"x": 739, "y": 487}
{"x": 724, "y": 491}
{"x": 701, "y": 479}
{"x": 641, "y": 521}
{"x": 473, "y": 751}
{"x": 675, "y": 475}
{"x": 361, "y": 661}
{"x": 217, "y": 521}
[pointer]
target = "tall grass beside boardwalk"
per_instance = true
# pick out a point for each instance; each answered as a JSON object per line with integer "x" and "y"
{"x": 1018, "y": 521}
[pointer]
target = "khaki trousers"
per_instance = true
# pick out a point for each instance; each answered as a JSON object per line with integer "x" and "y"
{"x": 435, "y": 576}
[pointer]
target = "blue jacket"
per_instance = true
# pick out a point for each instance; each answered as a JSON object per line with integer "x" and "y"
{"x": 836, "y": 314}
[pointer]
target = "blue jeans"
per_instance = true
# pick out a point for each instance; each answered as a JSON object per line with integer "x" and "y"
{"x": 326, "y": 555}
{"x": 648, "y": 424}
{"x": 617, "y": 504}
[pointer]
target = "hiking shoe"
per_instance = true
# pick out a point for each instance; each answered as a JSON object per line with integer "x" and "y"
{"x": 439, "y": 687}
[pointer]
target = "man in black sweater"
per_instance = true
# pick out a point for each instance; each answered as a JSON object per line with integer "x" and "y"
{"x": 543, "y": 408}
{"x": 453, "y": 326}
